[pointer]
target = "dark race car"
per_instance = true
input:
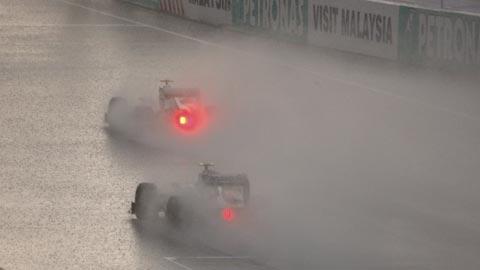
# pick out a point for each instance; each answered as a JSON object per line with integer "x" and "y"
{"x": 177, "y": 110}
{"x": 214, "y": 198}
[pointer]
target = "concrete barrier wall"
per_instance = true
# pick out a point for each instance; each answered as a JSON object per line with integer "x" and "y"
{"x": 153, "y": 4}
{"x": 375, "y": 28}
{"x": 218, "y": 12}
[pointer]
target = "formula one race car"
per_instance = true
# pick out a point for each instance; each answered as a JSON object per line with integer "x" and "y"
{"x": 214, "y": 198}
{"x": 178, "y": 109}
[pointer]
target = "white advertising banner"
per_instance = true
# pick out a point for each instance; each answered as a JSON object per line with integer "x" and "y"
{"x": 358, "y": 26}
{"x": 210, "y": 11}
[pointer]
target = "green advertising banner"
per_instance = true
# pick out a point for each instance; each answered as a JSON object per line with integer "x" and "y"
{"x": 438, "y": 37}
{"x": 282, "y": 18}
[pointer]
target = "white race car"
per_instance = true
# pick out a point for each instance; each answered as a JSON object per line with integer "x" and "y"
{"x": 178, "y": 110}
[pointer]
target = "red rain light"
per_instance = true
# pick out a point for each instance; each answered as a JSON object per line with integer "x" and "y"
{"x": 189, "y": 122}
{"x": 228, "y": 214}
{"x": 184, "y": 120}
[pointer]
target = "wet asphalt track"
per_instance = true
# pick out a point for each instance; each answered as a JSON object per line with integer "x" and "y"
{"x": 66, "y": 184}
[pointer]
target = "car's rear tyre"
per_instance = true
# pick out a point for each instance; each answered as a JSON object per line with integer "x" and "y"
{"x": 146, "y": 201}
{"x": 116, "y": 106}
{"x": 144, "y": 113}
{"x": 243, "y": 180}
{"x": 173, "y": 211}
{"x": 116, "y": 103}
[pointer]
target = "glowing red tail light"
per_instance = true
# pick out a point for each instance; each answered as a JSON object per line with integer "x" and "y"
{"x": 228, "y": 214}
{"x": 184, "y": 120}
{"x": 189, "y": 121}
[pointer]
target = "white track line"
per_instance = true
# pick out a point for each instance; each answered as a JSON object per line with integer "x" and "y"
{"x": 174, "y": 260}
{"x": 330, "y": 77}
{"x": 70, "y": 25}
{"x": 210, "y": 258}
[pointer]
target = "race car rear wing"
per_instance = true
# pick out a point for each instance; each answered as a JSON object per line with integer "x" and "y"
{"x": 217, "y": 180}
{"x": 166, "y": 93}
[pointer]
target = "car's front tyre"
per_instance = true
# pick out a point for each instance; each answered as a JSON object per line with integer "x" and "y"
{"x": 173, "y": 211}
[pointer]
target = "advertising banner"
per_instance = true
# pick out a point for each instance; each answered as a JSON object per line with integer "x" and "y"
{"x": 283, "y": 18}
{"x": 174, "y": 7}
{"x": 217, "y": 12}
{"x": 439, "y": 37}
{"x": 364, "y": 27}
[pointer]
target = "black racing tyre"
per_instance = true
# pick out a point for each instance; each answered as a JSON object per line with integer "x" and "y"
{"x": 246, "y": 187}
{"x": 116, "y": 102}
{"x": 146, "y": 201}
{"x": 115, "y": 106}
{"x": 144, "y": 113}
{"x": 173, "y": 211}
